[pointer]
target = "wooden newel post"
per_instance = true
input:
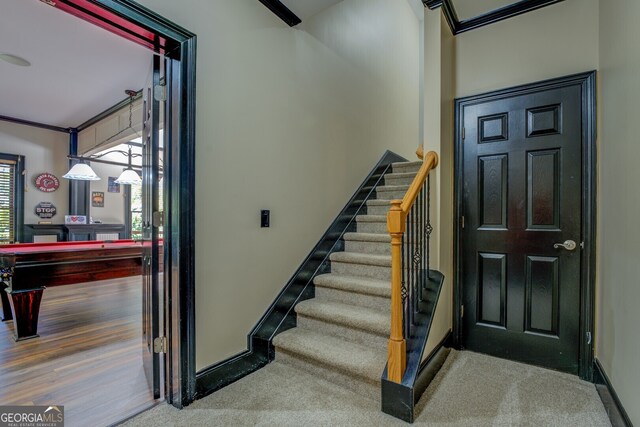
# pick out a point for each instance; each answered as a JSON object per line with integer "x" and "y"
{"x": 397, "y": 352}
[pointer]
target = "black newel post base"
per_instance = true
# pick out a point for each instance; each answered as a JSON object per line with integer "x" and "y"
{"x": 25, "y": 307}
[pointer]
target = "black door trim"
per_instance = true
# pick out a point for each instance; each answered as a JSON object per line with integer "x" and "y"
{"x": 587, "y": 82}
{"x": 179, "y": 231}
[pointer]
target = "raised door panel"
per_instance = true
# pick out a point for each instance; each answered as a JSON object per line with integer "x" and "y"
{"x": 492, "y": 289}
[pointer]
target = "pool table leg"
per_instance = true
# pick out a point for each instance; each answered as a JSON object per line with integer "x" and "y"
{"x": 4, "y": 300}
{"x": 25, "y": 307}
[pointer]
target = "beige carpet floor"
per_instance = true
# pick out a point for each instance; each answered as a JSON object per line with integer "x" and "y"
{"x": 471, "y": 390}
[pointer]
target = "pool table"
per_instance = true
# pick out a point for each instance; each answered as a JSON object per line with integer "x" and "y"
{"x": 27, "y": 269}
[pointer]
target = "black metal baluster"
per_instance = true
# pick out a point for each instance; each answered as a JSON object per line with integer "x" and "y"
{"x": 429, "y": 228}
{"x": 413, "y": 265}
{"x": 418, "y": 263}
{"x": 406, "y": 267}
{"x": 424, "y": 236}
{"x": 410, "y": 269}
{"x": 414, "y": 214}
{"x": 403, "y": 288}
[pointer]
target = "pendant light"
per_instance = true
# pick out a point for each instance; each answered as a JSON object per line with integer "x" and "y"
{"x": 81, "y": 172}
{"x": 129, "y": 176}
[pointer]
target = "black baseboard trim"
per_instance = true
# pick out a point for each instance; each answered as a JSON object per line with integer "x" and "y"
{"x": 280, "y": 315}
{"x": 228, "y": 371}
{"x": 617, "y": 414}
{"x": 399, "y": 400}
{"x": 431, "y": 366}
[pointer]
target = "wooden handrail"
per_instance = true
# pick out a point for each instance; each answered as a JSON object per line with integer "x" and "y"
{"x": 429, "y": 163}
{"x": 396, "y": 225}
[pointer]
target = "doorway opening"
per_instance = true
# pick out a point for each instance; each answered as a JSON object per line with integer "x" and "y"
{"x": 169, "y": 225}
{"x": 177, "y": 47}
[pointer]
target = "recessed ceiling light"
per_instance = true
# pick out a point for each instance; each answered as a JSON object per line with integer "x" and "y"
{"x": 15, "y": 60}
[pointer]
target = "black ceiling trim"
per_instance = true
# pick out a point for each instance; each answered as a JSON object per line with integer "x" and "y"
{"x": 457, "y": 26}
{"x": 35, "y": 124}
{"x": 109, "y": 111}
{"x": 282, "y": 11}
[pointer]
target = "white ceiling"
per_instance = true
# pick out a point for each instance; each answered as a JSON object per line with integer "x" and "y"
{"x": 305, "y": 9}
{"x": 78, "y": 70}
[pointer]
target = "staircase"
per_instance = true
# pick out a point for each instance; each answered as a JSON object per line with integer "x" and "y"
{"x": 342, "y": 333}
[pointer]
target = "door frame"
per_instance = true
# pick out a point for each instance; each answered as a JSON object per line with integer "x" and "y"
{"x": 587, "y": 83}
{"x": 136, "y": 23}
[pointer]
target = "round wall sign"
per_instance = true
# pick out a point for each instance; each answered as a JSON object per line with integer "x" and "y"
{"x": 47, "y": 182}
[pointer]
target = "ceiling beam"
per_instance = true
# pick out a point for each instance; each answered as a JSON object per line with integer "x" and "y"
{"x": 282, "y": 12}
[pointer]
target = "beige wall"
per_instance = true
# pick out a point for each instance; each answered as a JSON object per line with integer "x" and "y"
{"x": 440, "y": 85}
{"x": 292, "y": 120}
{"x": 44, "y": 151}
{"x": 443, "y": 246}
{"x": 554, "y": 41}
{"x": 113, "y": 210}
{"x": 618, "y": 345}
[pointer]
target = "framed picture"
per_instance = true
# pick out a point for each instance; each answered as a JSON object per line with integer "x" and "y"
{"x": 97, "y": 199}
{"x": 113, "y": 186}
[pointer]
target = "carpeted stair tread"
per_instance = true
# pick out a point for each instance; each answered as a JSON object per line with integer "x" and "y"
{"x": 384, "y": 188}
{"x": 342, "y": 333}
{"x": 402, "y": 167}
{"x": 347, "y": 357}
{"x": 371, "y": 218}
{"x": 379, "y": 202}
{"x": 359, "y": 285}
{"x": 354, "y": 317}
{"x": 401, "y": 164}
{"x": 399, "y": 175}
{"x": 360, "y": 258}
{"x": 368, "y": 237}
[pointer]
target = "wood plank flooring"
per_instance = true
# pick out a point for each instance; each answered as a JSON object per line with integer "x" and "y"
{"x": 88, "y": 356}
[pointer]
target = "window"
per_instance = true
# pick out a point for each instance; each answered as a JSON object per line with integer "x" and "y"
{"x": 136, "y": 211}
{"x": 11, "y": 198}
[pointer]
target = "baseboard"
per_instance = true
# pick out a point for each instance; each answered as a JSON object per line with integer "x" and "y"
{"x": 431, "y": 366}
{"x": 609, "y": 397}
{"x": 228, "y": 371}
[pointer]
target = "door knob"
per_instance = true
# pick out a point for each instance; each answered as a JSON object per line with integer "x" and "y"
{"x": 568, "y": 245}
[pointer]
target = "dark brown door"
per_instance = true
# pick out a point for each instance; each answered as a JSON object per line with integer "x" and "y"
{"x": 521, "y": 197}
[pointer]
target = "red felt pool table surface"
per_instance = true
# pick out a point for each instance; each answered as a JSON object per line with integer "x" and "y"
{"x": 28, "y": 268}
{"x": 22, "y": 248}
